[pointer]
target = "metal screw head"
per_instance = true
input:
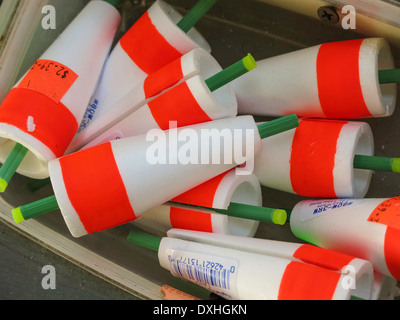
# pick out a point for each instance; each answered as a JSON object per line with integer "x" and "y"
{"x": 328, "y": 14}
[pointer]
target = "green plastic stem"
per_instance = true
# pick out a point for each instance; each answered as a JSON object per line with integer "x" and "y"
{"x": 36, "y": 184}
{"x": 145, "y": 240}
{"x": 356, "y": 298}
{"x": 376, "y": 163}
{"x": 240, "y": 210}
{"x": 114, "y": 3}
{"x": 12, "y": 163}
{"x": 231, "y": 73}
{"x": 195, "y": 14}
{"x": 37, "y": 208}
{"x": 389, "y": 76}
{"x": 279, "y": 125}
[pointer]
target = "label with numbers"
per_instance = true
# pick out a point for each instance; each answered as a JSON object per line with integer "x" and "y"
{"x": 50, "y": 78}
{"x": 387, "y": 213}
{"x": 216, "y": 274}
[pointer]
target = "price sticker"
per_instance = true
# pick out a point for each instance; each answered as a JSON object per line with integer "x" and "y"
{"x": 50, "y": 78}
{"x": 387, "y": 213}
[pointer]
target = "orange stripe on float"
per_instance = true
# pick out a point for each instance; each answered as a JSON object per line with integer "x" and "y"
{"x": 147, "y": 47}
{"x": 387, "y": 213}
{"x": 190, "y": 219}
{"x": 323, "y": 258}
{"x": 177, "y": 104}
{"x": 338, "y": 77}
{"x": 163, "y": 78}
{"x": 53, "y": 124}
{"x": 202, "y": 195}
{"x": 95, "y": 188}
{"x": 301, "y": 281}
{"x": 392, "y": 251}
{"x": 313, "y": 157}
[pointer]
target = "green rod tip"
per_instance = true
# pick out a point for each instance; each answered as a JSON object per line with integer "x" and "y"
{"x": 231, "y": 73}
{"x": 249, "y": 62}
{"x": 376, "y": 163}
{"x": 245, "y": 211}
{"x": 279, "y": 217}
{"x": 144, "y": 239}
{"x": 396, "y": 165}
{"x": 37, "y": 208}
{"x": 17, "y": 215}
{"x": 3, "y": 185}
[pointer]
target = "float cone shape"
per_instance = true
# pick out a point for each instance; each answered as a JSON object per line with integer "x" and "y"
{"x": 41, "y": 114}
{"x": 322, "y": 159}
{"x": 216, "y": 193}
{"x": 241, "y": 274}
{"x": 153, "y": 41}
{"x": 227, "y": 204}
{"x": 201, "y": 98}
{"x": 196, "y": 62}
{"x": 338, "y": 80}
{"x": 122, "y": 174}
{"x": 365, "y": 228}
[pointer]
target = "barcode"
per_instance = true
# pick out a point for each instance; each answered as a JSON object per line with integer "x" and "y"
{"x": 203, "y": 276}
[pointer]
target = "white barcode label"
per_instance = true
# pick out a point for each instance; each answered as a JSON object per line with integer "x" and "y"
{"x": 214, "y": 273}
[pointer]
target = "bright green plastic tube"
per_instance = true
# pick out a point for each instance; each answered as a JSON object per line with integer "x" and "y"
{"x": 376, "y": 163}
{"x": 145, "y": 240}
{"x": 11, "y": 165}
{"x": 35, "y": 209}
{"x": 195, "y": 14}
{"x": 240, "y": 210}
{"x": 231, "y": 73}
